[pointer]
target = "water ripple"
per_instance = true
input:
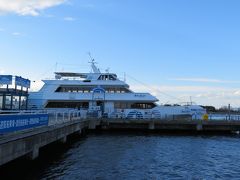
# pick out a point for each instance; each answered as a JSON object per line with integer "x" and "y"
{"x": 114, "y": 157}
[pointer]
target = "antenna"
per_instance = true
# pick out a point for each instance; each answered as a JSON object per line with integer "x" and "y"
{"x": 93, "y": 64}
{"x": 191, "y": 103}
{"x": 92, "y": 60}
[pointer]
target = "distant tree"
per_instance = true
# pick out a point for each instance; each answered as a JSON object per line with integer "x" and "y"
{"x": 210, "y": 108}
{"x": 223, "y": 109}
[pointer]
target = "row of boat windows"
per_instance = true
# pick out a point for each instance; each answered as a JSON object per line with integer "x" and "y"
{"x": 90, "y": 90}
{"x": 123, "y": 105}
{"x": 85, "y": 105}
{"x": 76, "y": 105}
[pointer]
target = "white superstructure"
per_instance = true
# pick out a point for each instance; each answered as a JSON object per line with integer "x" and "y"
{"x": 97, "y": 91}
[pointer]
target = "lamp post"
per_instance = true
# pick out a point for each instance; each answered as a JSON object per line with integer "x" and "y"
{"x": 229, "y": 112}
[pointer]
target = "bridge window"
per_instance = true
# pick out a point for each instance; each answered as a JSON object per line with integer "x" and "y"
{"x": 107, "y": 77}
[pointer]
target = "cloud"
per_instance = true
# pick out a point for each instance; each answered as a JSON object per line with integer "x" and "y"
{"x": 204, "y": 95}
{"x": 16, "y": 34}
{"x": 2, "y": 71}
{"x": 174, "y": 88}
{"x": 204, "y": 80}
{"x": 69, "y": 19}
{"x": 2, "y": 29}
{"x": 27, "y": 7}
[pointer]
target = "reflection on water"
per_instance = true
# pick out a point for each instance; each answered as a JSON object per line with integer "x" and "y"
{"x": 121, "y": 156}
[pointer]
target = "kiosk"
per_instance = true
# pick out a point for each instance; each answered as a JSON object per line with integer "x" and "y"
{"x": 13, "y": 92}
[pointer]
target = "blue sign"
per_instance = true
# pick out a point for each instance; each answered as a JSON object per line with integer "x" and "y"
{"x": 6, "y": 79}
{"x": 19, "y": 81}
{"x": 12, "y": 123}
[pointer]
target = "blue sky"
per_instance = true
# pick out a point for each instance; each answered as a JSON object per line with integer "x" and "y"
{"x": 180, "y": 47}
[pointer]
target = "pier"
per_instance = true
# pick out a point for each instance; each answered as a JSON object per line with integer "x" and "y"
{"x": 162, "y": 125}
{"x": 28, "y": 142}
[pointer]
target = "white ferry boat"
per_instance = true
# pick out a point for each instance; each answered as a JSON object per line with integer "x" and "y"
{"x": 103, "y": 92}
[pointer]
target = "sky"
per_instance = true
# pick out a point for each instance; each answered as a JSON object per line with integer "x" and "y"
{"x": 174, "y": 49}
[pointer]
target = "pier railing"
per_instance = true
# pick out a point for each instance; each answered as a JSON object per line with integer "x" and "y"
{"x": 225, "y": 117}
{"x": 58, "y": 117}
{"x": 62, "y": 116}
{"x": 54, "y": 116}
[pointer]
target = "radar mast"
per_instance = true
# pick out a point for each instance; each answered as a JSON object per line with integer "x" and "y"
{"x": 93, "y": 64}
